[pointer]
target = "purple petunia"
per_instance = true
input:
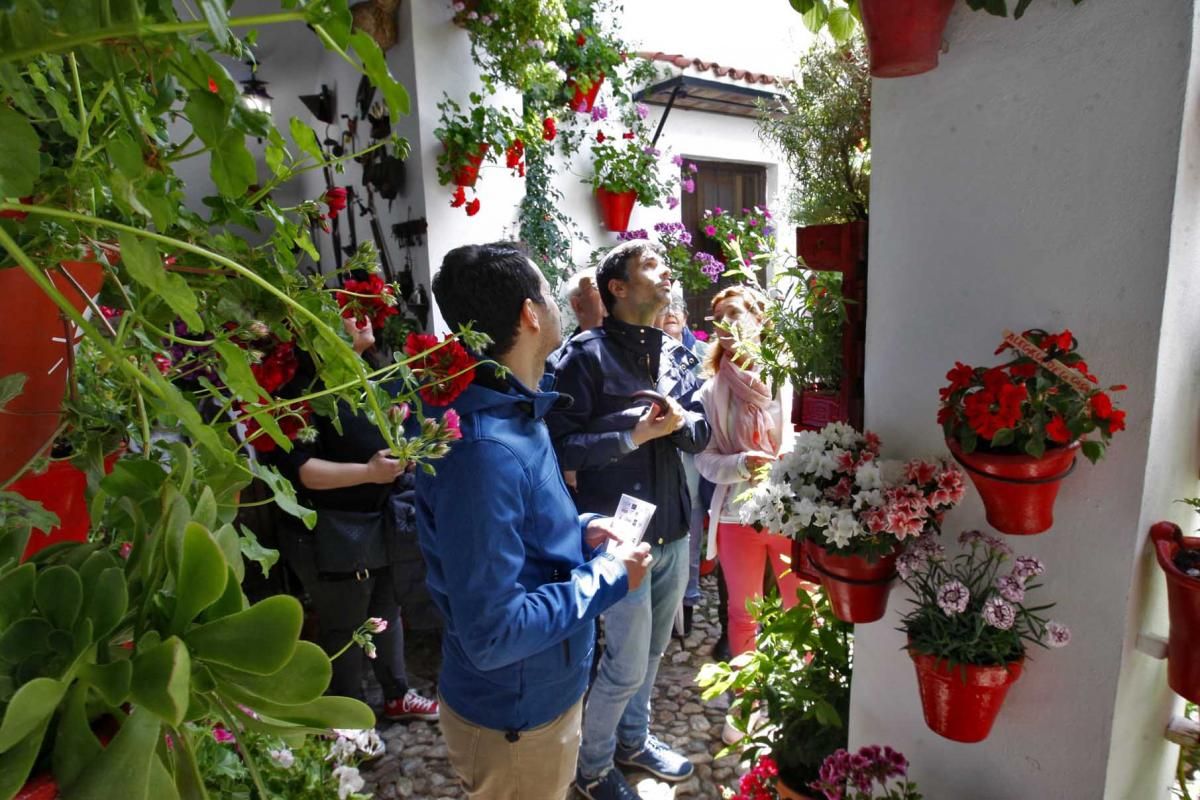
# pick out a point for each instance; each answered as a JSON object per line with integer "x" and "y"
{"x": 643, "y": 110}
{"x": 952, "y": 597}
{"x": 688, "y": 185}
{"x": 692, "y": 167}
{"x": 672, "y": 203}
{"x": 628, "y": 236}
{"x": 599, "y": 112}
{"x": 998, "y": 613}
{"x": 677, "y": 161}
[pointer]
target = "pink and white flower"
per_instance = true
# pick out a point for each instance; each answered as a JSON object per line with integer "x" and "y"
{"x": 1011, "y": 588}
{"x": 998, "y": 613}
{"x": 952, "y": 598}
{"x": 1026, "y": 567}
{"x": 1057, "y": 634}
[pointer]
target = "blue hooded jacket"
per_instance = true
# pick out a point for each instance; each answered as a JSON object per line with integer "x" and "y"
{"x": 506, "y": 564}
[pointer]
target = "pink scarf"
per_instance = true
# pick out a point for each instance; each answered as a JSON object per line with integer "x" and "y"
{"x": 741, "y": 414}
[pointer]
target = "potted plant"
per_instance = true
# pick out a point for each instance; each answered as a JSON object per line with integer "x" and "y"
{"x": 1017, "y": 427}
{"x": 1179, "y": 558}
{"x": 968, "y": 629}
{"x": 849, "y": 514}
{"x": 626, "y": 171}
{"x": 470, "y": 138}
{"x": 791, "y": 696}
{"x": 823, "y": 126}
{"x": 144, "y": 628}
{"x": 904, "y": 36}
{"x": 513, "y": 41}
{"x": 859, "y": 776}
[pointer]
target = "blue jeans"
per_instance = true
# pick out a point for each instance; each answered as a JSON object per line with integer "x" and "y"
{"x": 636, "y": 632}
{"x": 696, "y": 532}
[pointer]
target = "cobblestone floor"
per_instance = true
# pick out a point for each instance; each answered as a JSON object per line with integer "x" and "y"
{"x": 416, "y": 766}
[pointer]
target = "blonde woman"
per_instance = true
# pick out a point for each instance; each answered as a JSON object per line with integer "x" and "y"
{"x": 751, "y": 427}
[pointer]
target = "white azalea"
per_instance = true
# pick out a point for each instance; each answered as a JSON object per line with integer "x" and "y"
{"x": 868, "y": 476}
{"x": 349, "y": 781}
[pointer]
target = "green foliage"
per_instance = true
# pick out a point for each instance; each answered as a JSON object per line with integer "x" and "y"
{"x": 823, "y": 126}
{"x": 514, "y": 40}
{"x": 802, "y": 338}
{"x": 545, "y": 228}
{"x": 798, "y": 678}
{"x": 629, "y": 163}
{"x": 1188, "y": 770}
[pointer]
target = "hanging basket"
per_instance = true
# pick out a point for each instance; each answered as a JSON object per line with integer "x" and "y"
{"x": 1183, "y": 604}
{"x": 62, "y": 490}
{"x": 1018, "y": 491}
{"x": 38, "y": 342}
{"x": 616, "y": 208}
{"x": 857, "y": 589}
{"x": 961, "y": 701}
{"x": 904, "y": 37}
{"x": 467, "y": 174}
{"x": 583, "y": 102}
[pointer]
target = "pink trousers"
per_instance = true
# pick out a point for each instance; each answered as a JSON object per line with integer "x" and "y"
{"x": 743, "y": 552}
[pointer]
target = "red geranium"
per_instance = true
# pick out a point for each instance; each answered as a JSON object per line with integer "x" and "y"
{"x": 473, "y": 207}
{"x": 549, "y": 129}
{"x": 335, "y": 198}
{"x": 445, "y": 371}
{"x": 291, "y": 419}
{"x": 371, "y": 300}
{"x": 460, "y": 197}
{"x": 1046, "y": 399}
{"x": 277, "y": 367}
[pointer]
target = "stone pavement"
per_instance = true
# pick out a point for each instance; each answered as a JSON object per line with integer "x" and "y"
{"x": 416, "y": 766}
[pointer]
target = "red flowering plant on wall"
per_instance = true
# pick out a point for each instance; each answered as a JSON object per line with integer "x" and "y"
{"x": 369, "y": 300}
{"x": 444, "y": 369}
{"x": 1044, "y": 397}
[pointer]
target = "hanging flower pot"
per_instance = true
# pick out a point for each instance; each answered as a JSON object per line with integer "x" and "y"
{"x": 800, "y": 565}
{"x": 1018, "y": 490}
{"x": 835, "y": 248}
{"x": 857, "y": 589}
{"x": 961, "y": 701}
{"x": 583, "y": 102}
{"x": 814, "y": 409}
{"x": 61, "y": 489}
{"x": 35, "y": 342}
{"x": 1183, "y": 603}
{"x": 904, "y": 36}
{"x": 467, "y": 174}
{"x": 616, "y": 207}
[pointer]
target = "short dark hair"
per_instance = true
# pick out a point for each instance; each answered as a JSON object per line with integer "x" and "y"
{"x": 487, "y": 285}
{"x": 615, "y": 266}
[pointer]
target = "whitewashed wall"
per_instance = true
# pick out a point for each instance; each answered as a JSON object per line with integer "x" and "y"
{"x": 1030, "y": 181}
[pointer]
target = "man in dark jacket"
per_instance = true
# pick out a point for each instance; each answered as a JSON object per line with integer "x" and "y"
{"x": 617, "y": 447}
{"x": 511, "y": 564}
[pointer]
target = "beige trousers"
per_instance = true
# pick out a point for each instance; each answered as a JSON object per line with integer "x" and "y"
{"x": 538, "y": 766}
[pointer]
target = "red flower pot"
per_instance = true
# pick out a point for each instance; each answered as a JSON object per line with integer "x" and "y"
{"x": 583, "y": 102}
{"x": 904, "y": 36}
{"x": 800, "y": 565}
{"x": 857, "y": 589}
{"x": 469, "y": 173}
{"x": 834, "y": 248}
{"x": 1183, "y": 604}
{"x": 34, "y": 342}
{"x": 1018, "y": 491}
{"x": 816, "y": 409}
{"x": 616, "y": 207}
{"x": 62, "y": 490}
{"x": 962, "y": 706}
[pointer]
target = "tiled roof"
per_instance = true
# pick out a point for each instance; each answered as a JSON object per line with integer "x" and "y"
{"x": 684, "y": 62}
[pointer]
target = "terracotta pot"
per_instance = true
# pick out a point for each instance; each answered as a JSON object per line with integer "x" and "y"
{"x": 583, "y": 102}
{"x": 469, "y": 173}
{"x": 61, "y": 489}
{"x": 786, "y": 792}
{"x": 857, "y": 589}
{"x": 834, "y": 248}
{"x": 1018, "y": 491}
{"x": 904, "y": 36}
{"x": 616, "y": 207}
{"x": 34, "y": 338}
{"x": 962, "y": 707}
{"x": 1183, "y": 604}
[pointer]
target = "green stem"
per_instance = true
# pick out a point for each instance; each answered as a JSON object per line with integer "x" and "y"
{"x": 83, "y": 131}
{"x": 248, "y": 757}
{"x": 332, "y": 45}
{"x": 145, "y": 420}
{"x": 248, "y": 274}
{"x": 141, "y": 31}
{"x": 291, "y": 173}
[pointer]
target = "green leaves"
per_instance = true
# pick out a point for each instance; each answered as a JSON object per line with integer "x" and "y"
{"x": 11, "y": 387}
{"x": 143, "y": 264}
{"x": 162, "y": 680}
{"x": 200, "y": 575}
{"x": 236, "y": 371}
{"x": 20, "y": 163}
{"x": 376, "y": 69}
{"x": 30, "y": 707}
{"x": 259, "y": 640}
{"x": 842, "y": 25}
{"x": 1093, "y": 450}
{"x": 126, "y": 762}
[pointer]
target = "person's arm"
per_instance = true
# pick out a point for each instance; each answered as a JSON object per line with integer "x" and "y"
{"x": 497, "y": 621}
{"x": 319, "y": 474}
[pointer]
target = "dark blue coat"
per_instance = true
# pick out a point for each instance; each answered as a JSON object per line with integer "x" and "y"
{"x": 599, "y": 369}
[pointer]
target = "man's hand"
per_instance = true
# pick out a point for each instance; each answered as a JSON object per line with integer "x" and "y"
{"x": 382, "y": 468}
{"x": 650, "y": 426}
{"x": 607, "y": 529}
{"x": 636, "y": 559}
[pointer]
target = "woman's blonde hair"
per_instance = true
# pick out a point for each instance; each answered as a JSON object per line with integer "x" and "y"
{"x": 754, "y": 300}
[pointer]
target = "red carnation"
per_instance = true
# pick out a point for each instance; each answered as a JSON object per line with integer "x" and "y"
{"x": 549, "y": 129}
{"x": 460, "y": 197}
{"x": 445, "y": 373}
{"x": 473, "y": 207}
{"x": 1057, "y": 431}
{"x": 1102, "y": 407}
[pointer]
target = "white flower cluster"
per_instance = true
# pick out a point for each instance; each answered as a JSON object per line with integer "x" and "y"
{"x": 352, "y": 743}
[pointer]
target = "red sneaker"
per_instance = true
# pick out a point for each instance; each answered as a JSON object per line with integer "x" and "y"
{"x": 411, "y": 706}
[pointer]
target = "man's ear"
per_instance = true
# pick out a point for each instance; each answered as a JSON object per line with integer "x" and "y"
{"x": 617, "y": 288}
{"x": 531, "y": 316}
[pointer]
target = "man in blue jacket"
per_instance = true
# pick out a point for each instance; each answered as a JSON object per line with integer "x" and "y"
{"x": 511, "y": 565}
{"x": 619, "y": 447}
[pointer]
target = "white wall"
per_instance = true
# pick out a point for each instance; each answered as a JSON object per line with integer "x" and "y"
{"x": 1029, "y": 182}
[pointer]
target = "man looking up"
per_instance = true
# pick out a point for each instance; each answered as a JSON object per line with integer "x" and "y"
{"x": 511, "y": 565}
{"x": 617, "y": 448}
